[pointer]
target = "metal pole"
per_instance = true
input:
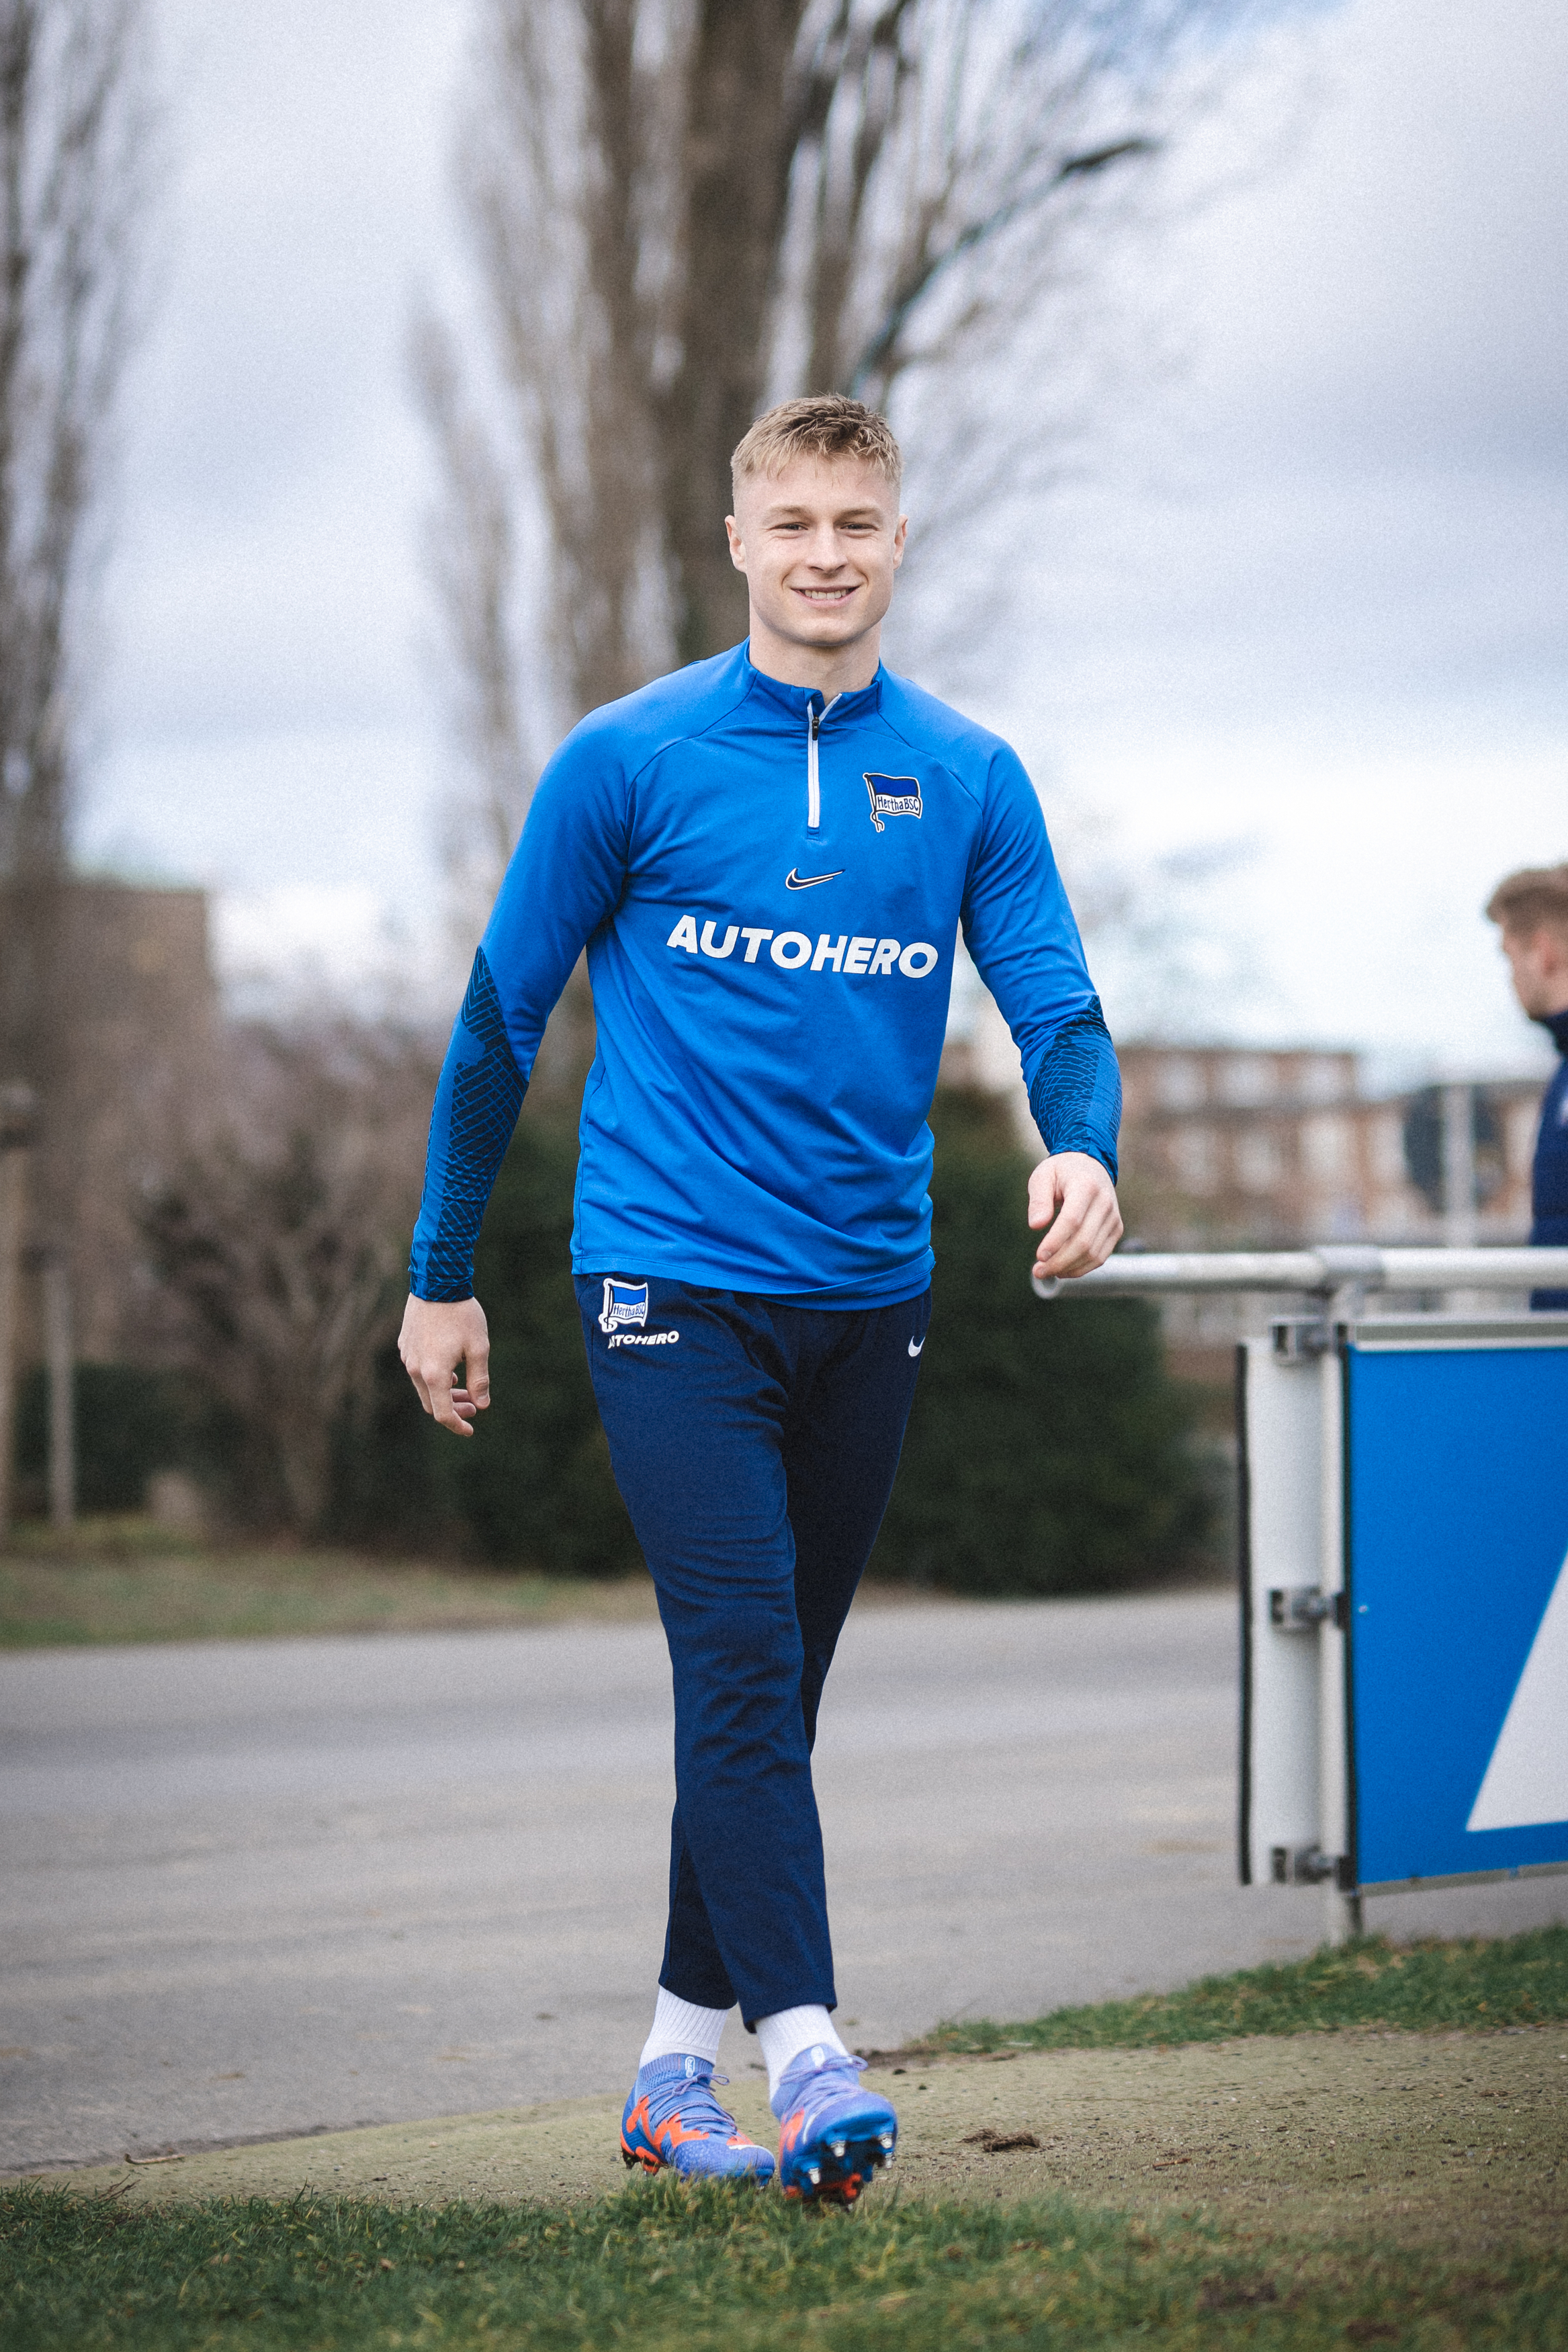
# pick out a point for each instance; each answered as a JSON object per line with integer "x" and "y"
{"x": 1458, "y": 1167}
{"x": 59, "y": 1354}
{"x": 1341, "y": 1910}
{"x": 1316, "y": 1273}
{"x": 11, "y": 1212}
{"x": 17, "y": 1118}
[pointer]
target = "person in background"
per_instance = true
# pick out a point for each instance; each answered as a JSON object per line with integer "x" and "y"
{"x": 1531, "y": 909}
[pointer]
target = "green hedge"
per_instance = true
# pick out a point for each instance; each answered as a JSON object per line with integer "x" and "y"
{"x": 533, "y": 1486}
{"x": 128, "y": 1424}
{"x": 1049, "y": 1450}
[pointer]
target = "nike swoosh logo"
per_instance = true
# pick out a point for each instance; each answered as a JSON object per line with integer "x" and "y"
{"x": 793, "y": 881}
{"x": 914, "y": 1350}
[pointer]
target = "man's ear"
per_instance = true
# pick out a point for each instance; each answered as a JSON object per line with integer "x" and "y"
{"x": 737, "y": 544}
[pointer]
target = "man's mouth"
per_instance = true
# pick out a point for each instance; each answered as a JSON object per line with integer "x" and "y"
{"x": 827, "y": 596}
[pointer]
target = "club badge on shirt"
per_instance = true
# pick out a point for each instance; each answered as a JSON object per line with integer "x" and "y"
{"x": 893, "y": 796}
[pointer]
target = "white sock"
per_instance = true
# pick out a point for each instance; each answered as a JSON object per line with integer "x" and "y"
{"x": 681, "y": 2030}
{"x": 788, "y": 2032}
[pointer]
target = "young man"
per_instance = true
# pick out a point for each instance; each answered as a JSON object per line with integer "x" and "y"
{"x": 767, "y": 855}
{"x": 1532, "y": 910}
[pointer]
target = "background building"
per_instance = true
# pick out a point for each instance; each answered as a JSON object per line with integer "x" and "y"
{"x": 1227, "y": 1147}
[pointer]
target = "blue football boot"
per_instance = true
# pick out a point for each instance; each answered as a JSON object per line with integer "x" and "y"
{"x": 673, "y": 2123}
{"x": 834, "y": 2134}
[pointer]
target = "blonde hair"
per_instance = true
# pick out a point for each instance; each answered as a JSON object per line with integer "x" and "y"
{"x": 824, "y": 425}
{"x": 1534, "y": 899}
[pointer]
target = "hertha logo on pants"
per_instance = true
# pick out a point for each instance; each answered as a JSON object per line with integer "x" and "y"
{"x": 624, "y": 1302}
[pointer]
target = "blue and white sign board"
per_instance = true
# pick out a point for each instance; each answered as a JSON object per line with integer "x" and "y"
{"x": 1405, "y": 1601}
{"x": 1456, "y": 1568}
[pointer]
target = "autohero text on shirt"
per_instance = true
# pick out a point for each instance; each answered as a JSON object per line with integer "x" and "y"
{"x": 793, "y": 951}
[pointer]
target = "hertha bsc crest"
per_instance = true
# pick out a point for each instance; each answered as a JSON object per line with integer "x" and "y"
{"x": 893, "y": 796}
{"x": 624, "y": 1302}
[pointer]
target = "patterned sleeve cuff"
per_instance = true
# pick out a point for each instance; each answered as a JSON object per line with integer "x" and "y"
{"x": 1076, "y": 1092}
{"x": 477, "y": 1105}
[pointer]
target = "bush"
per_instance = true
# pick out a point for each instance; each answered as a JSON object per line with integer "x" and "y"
{"x": 534, "y": 1486}
{"x": 129, "y": 1423}
{"x": 274, "y": 1238}
{"x": 541, "y": 1486}
{"x": 1049, "y": 1450}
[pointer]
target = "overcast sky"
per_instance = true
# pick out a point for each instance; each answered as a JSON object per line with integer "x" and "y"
{"x": 1312, "y": 605}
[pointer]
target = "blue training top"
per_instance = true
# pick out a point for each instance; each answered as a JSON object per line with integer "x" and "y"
{"x": 770, "y": 887}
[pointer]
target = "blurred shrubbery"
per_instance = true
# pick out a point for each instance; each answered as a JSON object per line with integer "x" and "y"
{"x": 533, "y": 1484}
{"x": 1049, "y": 1450}
{"x": 128, "y": 1424}
{"x": 275, "y": 1238}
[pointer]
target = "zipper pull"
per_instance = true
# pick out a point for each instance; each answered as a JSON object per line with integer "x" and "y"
{"x": 813, "y": 785}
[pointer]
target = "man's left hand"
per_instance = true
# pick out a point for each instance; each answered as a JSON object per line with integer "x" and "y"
{"x": 1072, "y": 1197}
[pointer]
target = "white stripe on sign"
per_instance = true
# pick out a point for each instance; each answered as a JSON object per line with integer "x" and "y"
{"x": 1527, "y": 1780}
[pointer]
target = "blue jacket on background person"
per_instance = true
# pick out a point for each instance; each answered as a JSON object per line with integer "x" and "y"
{"x": 1531, "y": 911}
{"x": 1549, "y": 1177}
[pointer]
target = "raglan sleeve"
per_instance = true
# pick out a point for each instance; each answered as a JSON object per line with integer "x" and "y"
{"x": 565, "y": 878}
{"x": 1021, "y": 932}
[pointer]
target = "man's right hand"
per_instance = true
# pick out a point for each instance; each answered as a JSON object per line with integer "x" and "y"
{"x": 437, "y": 1336}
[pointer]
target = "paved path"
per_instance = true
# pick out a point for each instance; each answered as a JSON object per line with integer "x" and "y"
{"x": 265, "y": 1888}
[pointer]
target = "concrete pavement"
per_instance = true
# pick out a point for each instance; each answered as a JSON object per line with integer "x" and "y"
{"x": 258, "y": 1888}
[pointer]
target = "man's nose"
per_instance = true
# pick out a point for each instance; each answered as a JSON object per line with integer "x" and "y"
{"x": 825, "y": 553}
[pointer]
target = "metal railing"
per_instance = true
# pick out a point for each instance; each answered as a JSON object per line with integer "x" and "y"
{"x": 1323, "y": 1272}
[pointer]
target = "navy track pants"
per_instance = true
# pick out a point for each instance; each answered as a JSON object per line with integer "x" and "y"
{"x": 755, "y": 1445}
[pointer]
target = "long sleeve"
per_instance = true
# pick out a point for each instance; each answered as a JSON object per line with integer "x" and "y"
{"x": 565, "y": 877}
{"x": 1021, "y": 932}
{"x": 477, "y": 1098}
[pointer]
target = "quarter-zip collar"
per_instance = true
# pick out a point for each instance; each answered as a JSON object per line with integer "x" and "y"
{"x": 810, "y": 709}
{"x": 792, "y": 702}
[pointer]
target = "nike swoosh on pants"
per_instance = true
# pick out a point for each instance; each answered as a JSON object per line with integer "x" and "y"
{"x": 914, "y": 1350}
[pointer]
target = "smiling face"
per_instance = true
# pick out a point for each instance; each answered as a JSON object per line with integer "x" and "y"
{"x": 819, "y": 543}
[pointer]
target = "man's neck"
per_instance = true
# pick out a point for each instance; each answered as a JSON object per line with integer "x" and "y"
{"x": 827, "y": 669}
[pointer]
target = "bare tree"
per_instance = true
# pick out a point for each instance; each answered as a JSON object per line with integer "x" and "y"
{"x": 74, "y": 145}
{"x": 280, "y": 1240}
{"x": 471, "y": 554}
{"x": 681, "y": 208}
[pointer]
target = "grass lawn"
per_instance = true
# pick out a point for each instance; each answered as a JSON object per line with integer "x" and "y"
{"x": 129, "y": 1580}
{"x": 1348, "y": 2185}
{"x": 1414, "y": 1988}
{"x": 661, "y": 2266}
